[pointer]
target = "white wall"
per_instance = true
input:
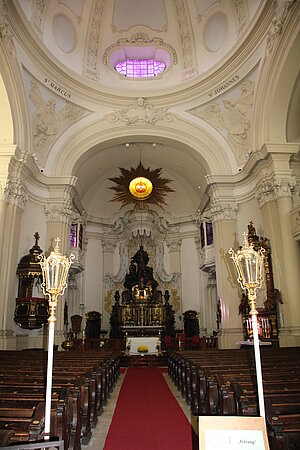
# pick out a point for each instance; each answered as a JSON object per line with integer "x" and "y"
{"x": 33, "y": 219}
{"x": 189, "y": 279}
{"x": 93, "y": 295}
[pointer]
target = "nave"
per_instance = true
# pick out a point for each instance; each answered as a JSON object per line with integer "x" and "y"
{"x": 102, "y": 399}
{"x": 145, "y": 411}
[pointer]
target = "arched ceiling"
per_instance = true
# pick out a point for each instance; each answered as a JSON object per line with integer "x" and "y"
{"x": 202, "y": 38}
{"x": 183, "y": 168}
{"x": 198, "y": 34}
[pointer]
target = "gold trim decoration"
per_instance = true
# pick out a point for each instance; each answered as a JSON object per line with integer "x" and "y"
{"x": 108, "y": 302}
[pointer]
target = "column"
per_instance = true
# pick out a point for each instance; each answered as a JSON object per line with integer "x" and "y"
{"x": 275, "y": 199}
{"x": 108, "y": 249}
{"x": 59, "y": 211}
{"x": 174, "y": 247}
{"x": 13, "y": 198}
{"x": 224, "y": 216}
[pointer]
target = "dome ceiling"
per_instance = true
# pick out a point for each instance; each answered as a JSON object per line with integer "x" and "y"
{"x": 189, "y": 110}
{"x": 191, "y": 37}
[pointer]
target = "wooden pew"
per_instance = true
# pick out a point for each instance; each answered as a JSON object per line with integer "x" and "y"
{"x": 86, "y": 393}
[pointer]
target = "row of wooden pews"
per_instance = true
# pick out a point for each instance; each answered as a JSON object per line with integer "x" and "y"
{"x": 81, "y": 385}
{"x": 223, "y": 382}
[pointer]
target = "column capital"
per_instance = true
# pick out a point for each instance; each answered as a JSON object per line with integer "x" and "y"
{"x": 59, "y": 212}
{"x": 108, "y": 245}
{"x": 13, "y": 192}
{"x": 174, "y": 244}
{"x": 274, "y": 188}
{"x": 223, "y": 210}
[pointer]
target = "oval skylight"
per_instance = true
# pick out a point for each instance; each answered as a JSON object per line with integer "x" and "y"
{"x": 140, "y": 68}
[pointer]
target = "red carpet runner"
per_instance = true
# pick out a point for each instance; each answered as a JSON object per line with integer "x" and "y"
{"x": 147, "y": 415}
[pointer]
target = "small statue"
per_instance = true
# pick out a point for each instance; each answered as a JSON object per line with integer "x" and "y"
{"x": 167, "y": 297}
{"x": 117, "y": 298}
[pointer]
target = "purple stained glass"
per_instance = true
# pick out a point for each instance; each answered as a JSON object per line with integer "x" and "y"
{"x": 140, "y": 68}
{"x": 73, "y": 235}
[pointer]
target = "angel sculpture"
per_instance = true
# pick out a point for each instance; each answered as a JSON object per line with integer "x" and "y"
{"x": 234, "y": 118}
{"x": 47, "y": 123}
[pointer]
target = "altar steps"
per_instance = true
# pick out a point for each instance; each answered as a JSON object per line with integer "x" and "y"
{"x": 144, "y": 361}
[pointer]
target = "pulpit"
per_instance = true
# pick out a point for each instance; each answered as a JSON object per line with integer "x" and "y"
{"x": 32, "y": 309}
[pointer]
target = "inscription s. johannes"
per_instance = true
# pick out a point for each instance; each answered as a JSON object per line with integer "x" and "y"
{"x": 224, "y": 86}
{"x": 56, "y": 88}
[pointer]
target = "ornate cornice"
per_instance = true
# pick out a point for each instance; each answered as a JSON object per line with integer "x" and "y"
{"x": 274, "y": 188}
{"x": 221, "y": 210}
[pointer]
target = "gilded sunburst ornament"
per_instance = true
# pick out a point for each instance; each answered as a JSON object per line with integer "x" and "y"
{"x": 139, "y": 185}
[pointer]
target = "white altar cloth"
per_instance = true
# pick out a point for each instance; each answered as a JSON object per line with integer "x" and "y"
{"x": 150, "y": 341}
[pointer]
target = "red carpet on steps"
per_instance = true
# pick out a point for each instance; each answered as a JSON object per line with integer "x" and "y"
{"x": 147, "y": 415}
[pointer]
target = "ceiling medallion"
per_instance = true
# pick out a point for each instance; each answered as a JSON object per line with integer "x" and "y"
{"x": 139, "y": 185}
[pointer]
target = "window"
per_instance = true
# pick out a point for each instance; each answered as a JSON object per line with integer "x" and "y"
{"x": 76, "y": 235}
{"x": 209, "y": 233}
{"x": 140, "y": 68}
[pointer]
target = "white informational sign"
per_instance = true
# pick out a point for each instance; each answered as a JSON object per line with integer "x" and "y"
{"x": 234, "y": 440}
{"x": 232, "y": 433}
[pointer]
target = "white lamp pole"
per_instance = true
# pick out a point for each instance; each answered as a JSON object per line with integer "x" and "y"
{"x": 249, "y": 264}
{"x": 55, "y": 270}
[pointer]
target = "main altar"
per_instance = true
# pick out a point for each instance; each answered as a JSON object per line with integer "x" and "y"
{"x": 142, "y": 311}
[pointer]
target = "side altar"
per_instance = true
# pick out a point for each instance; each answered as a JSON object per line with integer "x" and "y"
{"x": 141, "y": 309}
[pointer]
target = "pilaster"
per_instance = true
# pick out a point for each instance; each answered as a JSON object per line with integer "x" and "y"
{"x": 275, "y": 198}
{"x": 224, "y": 215}
{"x": 59, "y": 212}
{"x": 13, "y": 197}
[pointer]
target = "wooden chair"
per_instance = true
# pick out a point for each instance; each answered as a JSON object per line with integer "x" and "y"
{"x": 76, "y": 321}
{"x": 167, "y": 342}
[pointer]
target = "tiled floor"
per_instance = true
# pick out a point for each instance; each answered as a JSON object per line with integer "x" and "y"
{"x": 100, "y": 432}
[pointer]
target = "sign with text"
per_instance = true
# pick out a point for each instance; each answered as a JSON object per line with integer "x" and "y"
{"x": 232, "y": 433}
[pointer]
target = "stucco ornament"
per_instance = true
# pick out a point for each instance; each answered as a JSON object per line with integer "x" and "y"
{"x": 91, "y": 62}
{"x": 233, "y": 117}
{"x": 47, "y": 123}
{"x": 277, "y": 23}
{"x": 186, "y": 40}
{"x": 141, "y": 112}
{"x": 242, "y": 13}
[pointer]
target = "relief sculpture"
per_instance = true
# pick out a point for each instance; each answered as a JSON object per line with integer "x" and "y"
{"x": 47, "y": 122}
{"x": 234, "y": 119}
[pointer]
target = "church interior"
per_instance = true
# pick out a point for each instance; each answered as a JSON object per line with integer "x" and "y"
{"x": 149, "y": 139}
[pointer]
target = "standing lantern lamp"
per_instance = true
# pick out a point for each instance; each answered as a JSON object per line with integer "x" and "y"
{"x": 55, "y": 270}
{"x": 249, "y": 264}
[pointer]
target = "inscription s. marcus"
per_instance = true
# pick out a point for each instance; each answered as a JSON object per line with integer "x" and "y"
{"x": 223, "y": 87}
{"x": 57, "y": 88}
